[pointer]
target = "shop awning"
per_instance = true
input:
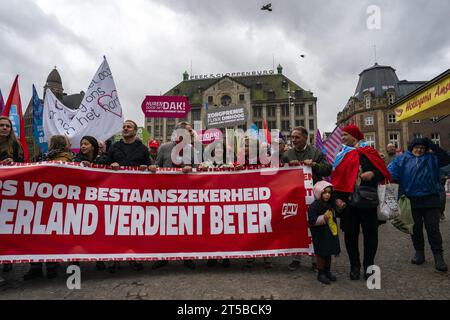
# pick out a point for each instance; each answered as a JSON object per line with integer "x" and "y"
{"x": 432, "y": 99}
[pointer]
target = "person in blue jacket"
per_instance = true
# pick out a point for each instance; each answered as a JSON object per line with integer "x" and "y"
{"x": 417, "y": 172}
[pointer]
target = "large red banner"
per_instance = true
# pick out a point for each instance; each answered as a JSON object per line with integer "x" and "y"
{"x": 59, "y": 212}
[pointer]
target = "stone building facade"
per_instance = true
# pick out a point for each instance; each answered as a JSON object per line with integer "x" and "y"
{"x": 369, "y": 108}
{"x": 273, "y": 97}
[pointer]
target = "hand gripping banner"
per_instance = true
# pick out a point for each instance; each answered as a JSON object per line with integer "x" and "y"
{"x": 59, "y": 212}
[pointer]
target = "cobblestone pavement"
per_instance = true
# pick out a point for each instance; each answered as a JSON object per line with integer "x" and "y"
{"x": 399, "y": 278}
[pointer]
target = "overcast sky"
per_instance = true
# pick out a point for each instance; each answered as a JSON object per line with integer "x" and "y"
{"x": 149, "y": 44}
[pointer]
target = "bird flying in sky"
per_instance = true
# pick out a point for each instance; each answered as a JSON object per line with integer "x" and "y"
{"x": 267, "y": 7}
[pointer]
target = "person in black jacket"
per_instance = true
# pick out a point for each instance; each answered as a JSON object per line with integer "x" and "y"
{"x": 323, "y": 227}
{"x": 358, "y": 165}
{"x": 89, "y": 149}
{"x": 130, "y": 151}
{"x": 10, "y": 151}
{"x": 10, "y": 148}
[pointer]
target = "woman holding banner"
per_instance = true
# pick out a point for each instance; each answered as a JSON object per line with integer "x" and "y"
{"x": 88, "y": 155}
{"x": 89, "y": 149}
{"x": 10, "y": 151}
{"x": 10, "y": 148}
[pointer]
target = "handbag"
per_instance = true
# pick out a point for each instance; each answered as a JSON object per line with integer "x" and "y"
{"x": 405, "y": 221}
{"x": 364, "y": 197}
{"x": 388, "y": 207}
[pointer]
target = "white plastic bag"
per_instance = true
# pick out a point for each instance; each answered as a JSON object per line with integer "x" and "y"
{"x": 388, "y": 207}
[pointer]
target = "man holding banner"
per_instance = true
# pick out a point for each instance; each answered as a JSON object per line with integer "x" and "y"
{"x": 311, "y": 157}
{"x": 129, "y": 151}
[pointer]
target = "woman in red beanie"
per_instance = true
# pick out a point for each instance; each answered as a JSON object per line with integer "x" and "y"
{"x": 358, "y": 165}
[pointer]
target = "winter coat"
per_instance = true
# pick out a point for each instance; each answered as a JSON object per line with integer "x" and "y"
{"x": 17, "y": 155}
{"x": 134, "y": 154}
{"x": 320, "y": 169}
{"x": 59, "y": 156}
{"x": 325, "y": 243}
{"x": 80, "y": 157}
{"x": 418, "y": 178}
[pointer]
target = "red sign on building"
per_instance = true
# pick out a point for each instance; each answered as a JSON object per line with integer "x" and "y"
{"x": 165, "y": 107}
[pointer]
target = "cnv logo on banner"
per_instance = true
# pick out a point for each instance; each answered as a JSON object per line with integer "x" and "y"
{"x": 99, "y": 114}
{"x": 60, "y": 212}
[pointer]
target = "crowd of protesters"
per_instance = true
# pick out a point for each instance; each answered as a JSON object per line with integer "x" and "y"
{"x": 357, "y": 168}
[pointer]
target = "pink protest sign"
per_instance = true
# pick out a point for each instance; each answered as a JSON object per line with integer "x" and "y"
{"x": 165, "y": 107}
{"x": 210, "y": 135}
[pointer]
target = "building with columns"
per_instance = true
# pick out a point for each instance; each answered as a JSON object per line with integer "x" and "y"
{"x": 370, "y": 108}
{"x": 265, "y": 95}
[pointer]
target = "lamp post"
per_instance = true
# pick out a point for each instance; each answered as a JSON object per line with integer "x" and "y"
{"x": 290, "y": 103}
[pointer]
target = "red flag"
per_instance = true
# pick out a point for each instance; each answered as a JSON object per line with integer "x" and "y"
{"x": 14, "y": 99}
{"x": 266, "y": 131}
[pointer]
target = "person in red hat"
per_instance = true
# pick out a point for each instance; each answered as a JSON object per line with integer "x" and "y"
{"x": 358, "y": 164}
{"x": 153, "y": 146}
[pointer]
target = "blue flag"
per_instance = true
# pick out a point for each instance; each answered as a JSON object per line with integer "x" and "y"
{"x": 2, "y": 103}
{"x": 38, "y": 128}
{"x": 15, "y": 119}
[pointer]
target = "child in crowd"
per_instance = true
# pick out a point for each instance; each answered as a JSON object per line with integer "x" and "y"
{"x": 322, "y": 222}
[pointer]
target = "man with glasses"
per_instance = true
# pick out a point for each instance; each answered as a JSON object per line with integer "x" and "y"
{"x": 417, "y": 172}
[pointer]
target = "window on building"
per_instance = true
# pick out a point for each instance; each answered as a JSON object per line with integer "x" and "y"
{"x": 272, "y": 125}
{"x": 241, "y": 97}
{"x": 196, "y": 115}
{"x": 311, "y": 124}
{"x": 210, "y": 99}
{"x": 368, "y": 102}
{"x": 368, "y": 120}
{"x": 391, "y": 118}
{"x": 257, "y": 111}
{"x": 394, "y": 138}
{"x": 370, "y": 139}
{"x": 170, "y": 129}
{"x": 285, "y": 110}
{"x": 391, "y": 98}
{"x": 149, "y": 130}
{"x": 225, "y": 100}
{"x": 311, "y": 109}
{"x": 285, "y": 125}
{"x": 271, "y": 95}
{"x": 311, "y": 139}
{"x": 243, "y": 127}
{"x": 418, "y": 135}
{"x": 299, "y": 109}
{"x": 436, "y": 138}
{"x": 271, "y": 111}
{"x": 299, "y": 123}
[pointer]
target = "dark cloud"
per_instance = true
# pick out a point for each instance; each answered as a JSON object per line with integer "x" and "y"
{"x": 233, "y": 36}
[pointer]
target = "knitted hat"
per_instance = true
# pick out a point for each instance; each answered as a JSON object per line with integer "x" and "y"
{"x": 94, "y": 143}
{"x": 319, "y": 187}
{"x": 153, "y": 144}
{"x": 420, "y": 141}
{"x": 354, "y": 132}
